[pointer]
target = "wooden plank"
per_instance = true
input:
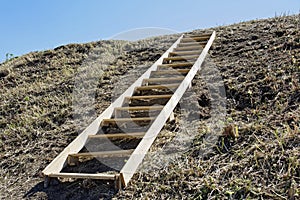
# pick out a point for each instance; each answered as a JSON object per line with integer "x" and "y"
{"x": 115, "y": 120}
{"x": 181, "y": 58}
{"x": 185, "y": 53}
{"x": 198, "y": 47}
{"x": 161, "y": 80}
{"x": 167, "y": 96}
{"x": 192, "y": 35}
{"x": 118, "y": 182}
{"x": 153, "y": 87}
{"x": 103, "y": 154}
{"x": 170, "y": 72}
{"x": 139, "y": 153}
{"x": 131, "y": 108}
{"x": 191, "y": 39}
{"x": 182, "y": 64}
{"x": 118, "y": 135}
{"x": 176, "y": 67}
{"x": 187, "y": 44}
{"x": 118, "y": 111}
{"x": 106, "y": 122}
{"x": 101, "y": 176}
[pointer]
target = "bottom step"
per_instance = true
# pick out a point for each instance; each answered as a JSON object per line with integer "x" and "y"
{"x": 101, "y": 176}
{"x": 119, "y": 182}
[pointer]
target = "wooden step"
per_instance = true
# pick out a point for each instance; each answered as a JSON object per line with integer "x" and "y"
{"x": 73, "y": 159}
{"x": 185, "y": 53}
{"x": 107, "y": 122}
{"x": 120, "y": 110}
{"x": 168, "y": 96}
{"x": 118, "y": 135}
{"x": 170, "y": 72}
{"x": 146, "y": 99}
{"x": 161, "y": 80}
{"x": 192, "y": 35}
{"x": 183, "y": 64}
{"x": 181, "y": 58}
{"x": 187, "y": 44}
{"x": 196, "y": 47}
{"x": 134, "y": 108}
{"x": 104, "y": 154}
{"x": 156, "y": 87}
{"x": 192, "y": 38}
{"x": 101, "y": 176}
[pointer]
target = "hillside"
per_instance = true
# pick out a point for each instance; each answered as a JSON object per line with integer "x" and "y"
{"x": 43, "y": 108}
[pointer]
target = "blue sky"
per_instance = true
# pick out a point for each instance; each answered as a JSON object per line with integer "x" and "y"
{"x": 32, "y": 25}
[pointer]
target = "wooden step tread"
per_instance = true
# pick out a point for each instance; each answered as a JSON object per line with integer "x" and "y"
{"x": 151, "y": 87}
{"x": 179, "y": 71}
{"x": 183, "y": 64}
{"x": 155, "y": 80}
{"x": 187, "y": 44}
{"x": 101, "y": 176}
{"x": 106, "y": 122}
{"x": 103, "y": 154}
{"x": 188, "y": 48}
{"x": 192, "y": 38}
{"x": 178, "y": 58}
{"x": 128, "y": 119}
{"x": 140, "y": 108}
{"x": 191, "y": 35}
{"x": 166, "y": 96}
{"x": 185, "y": 53}
{"x": 119, "y": 135}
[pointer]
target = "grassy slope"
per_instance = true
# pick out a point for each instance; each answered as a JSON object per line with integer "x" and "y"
{"x": 37, "y": 116}
{"x": 259, "y": 63}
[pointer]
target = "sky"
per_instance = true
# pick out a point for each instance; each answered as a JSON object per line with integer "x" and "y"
{"x": 35, "y": 25}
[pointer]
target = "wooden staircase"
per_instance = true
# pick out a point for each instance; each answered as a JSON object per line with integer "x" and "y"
{"x": 137, "y": 115}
